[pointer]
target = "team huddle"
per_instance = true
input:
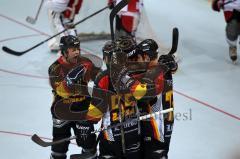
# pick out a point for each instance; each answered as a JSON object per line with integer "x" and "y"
{"x": 136, "y": 81}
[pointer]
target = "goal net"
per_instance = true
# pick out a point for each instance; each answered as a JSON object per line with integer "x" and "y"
{"x": 97, "y": 28}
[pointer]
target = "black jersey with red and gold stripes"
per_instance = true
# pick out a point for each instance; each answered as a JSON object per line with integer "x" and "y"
{"x": 109, "y": 110}
{"x": 77, "y": 93}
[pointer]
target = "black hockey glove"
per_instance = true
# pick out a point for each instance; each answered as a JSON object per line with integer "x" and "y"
{"x": 169, "y": 62}
{"x": 217, "y": 5}
{"x": 75, "y": 74}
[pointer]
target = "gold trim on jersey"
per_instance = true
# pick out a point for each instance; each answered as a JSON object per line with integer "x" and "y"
{"x": 61, "y": 90}
{"x": 73, "y": 99}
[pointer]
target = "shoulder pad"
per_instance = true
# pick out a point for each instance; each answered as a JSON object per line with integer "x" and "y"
{"x": 53, "y": 67}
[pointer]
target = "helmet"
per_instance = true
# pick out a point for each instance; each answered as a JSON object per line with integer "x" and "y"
{"x": 68, "y": 41}
{"x": 150, "y": 47}
{"x": 126, "y": 44}
{"x": 108, "y": 49}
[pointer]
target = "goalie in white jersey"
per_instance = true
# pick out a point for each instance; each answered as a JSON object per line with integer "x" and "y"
{"x": 61, "y": 15}
{"x": 128, "y": 18}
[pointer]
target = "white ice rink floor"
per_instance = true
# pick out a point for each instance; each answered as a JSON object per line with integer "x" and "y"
{"x": 206, "y": 86}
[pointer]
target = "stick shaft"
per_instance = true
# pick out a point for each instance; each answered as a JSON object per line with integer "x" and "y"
{"x": 19, "y": 53}
{"x": 39, "y": 9}
{"x": 35, "y": 138}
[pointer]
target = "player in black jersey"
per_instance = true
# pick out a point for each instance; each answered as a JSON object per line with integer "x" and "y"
{"x": 156, "y": 132}
{"x": 67, "y": 71}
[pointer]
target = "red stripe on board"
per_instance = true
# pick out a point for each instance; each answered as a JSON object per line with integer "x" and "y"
{"x": 27, "y": 135}
{"x": 15, "y": 133}
{"x": 207, "y": 105}
{"x": 22, "y": 74}
{"x": 29, "y": 75}
{"x": 31, "y": 28}
{"x": 20, "y": 37}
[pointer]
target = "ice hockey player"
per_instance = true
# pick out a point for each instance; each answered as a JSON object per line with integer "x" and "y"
{"x": 61, "y": 14}
{"x": 231, "y": 10}
{"x": 121, "y": 142}
{"x": 156, "y": 132}
{"x": 68, "y": 70}
{"x": 128, "y": 18}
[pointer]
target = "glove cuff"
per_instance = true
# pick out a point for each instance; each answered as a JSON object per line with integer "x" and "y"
{"x": 127, "y": 81}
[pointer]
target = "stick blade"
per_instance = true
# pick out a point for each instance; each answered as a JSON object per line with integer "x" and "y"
{"x": 31, "y": 20}
{"x": 114, "y": 12}
{"x": 175, "y": 36}
{"x": 12, "y": 52}
{"x": 35, "y": 138}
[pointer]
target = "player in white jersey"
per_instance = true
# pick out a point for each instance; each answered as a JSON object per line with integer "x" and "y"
{"x": 231, "y": 10}
{"x": 128, "y": 18}
{"x": 61, "y": 15}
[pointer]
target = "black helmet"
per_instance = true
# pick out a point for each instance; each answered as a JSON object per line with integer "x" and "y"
{"x": 150, "y": 47}
{"x": 108, "y": 49}
{"x": 126, "y": 44}
{"x": 68, "y": 41}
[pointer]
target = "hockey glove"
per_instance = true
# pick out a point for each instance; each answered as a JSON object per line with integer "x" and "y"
{"x": 75, "y": 74}
{"x": 125, "y": 81}
{"x": 217, "y": 5}
{"x": 110, "y": 4}
{"x": 169, "y": 62}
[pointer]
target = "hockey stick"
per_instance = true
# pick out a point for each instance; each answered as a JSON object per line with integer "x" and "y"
{"x": 113, "y": 14}
{"x": 19, "y": 53}
{"x": 35, "y": 138}
{"x": 32, "y": 20}
{"x": 227, "y": 3}
{"x": 121, "y": 122}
